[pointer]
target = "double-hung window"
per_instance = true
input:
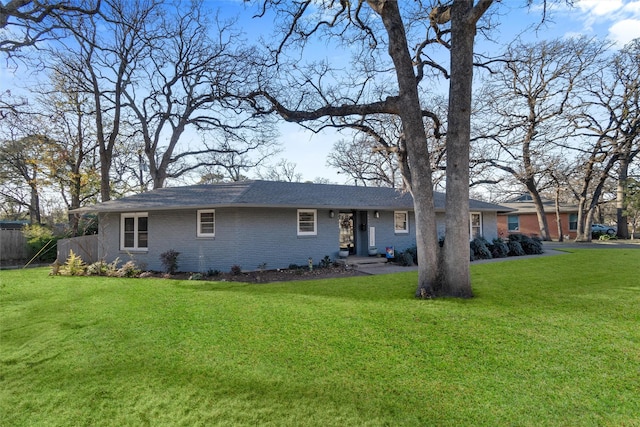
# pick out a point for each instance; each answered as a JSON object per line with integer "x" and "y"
{"x": 573, "y": 222}
{"x": 401, "y": 222}
{"x": 134, "y": 231}
{"x": 206, "y": 223}
{"x": 475, "y": 224}
{"x": 513, "y": 223}
{"x": 307, "y": 222}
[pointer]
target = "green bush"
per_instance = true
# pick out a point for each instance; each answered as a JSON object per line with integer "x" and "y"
{"x": 480, "y": 248}
{"x": 515, "y": 248}
{"x": 39, "y": 236}
{"x": 413, "y": 251}
{"x": 531, "y": 245}
{"x": 499, "y": 248}
{"x": 404, "y": 259}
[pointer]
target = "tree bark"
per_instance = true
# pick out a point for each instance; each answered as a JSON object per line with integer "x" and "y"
{"x": 418, "y": 155}
{"x": 621, "y": 192}
{"x": 456, "y": 274}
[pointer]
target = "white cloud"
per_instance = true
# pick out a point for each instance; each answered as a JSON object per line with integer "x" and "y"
{"x": 599, "y": 7}
{"x": 622, "y": 32}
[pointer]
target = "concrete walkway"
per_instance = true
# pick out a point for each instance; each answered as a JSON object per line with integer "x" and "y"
{"x": 380, "y": 266}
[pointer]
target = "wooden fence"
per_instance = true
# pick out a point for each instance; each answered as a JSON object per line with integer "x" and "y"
{"x": 13, "y": 246}
{"x": 84, "y": 246}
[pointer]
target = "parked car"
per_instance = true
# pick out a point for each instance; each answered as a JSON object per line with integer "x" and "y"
{"x": 603, "y": 229}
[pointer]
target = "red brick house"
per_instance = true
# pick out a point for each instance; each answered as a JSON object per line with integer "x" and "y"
{"x": 523, "y": 218}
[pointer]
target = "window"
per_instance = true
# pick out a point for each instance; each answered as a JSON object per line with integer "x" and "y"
{"x": 573, "y": 222}
{"x": 307, "y": 222}
{"x": 134, "y": 231}
{"x": 475, "y": 224}
{"x": 401, "y": 221}
{"x": 513, "y": 223}
{"x": 206, "y": 223}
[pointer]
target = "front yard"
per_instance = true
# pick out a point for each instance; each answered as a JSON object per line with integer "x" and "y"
{"x": 546, "y": 341}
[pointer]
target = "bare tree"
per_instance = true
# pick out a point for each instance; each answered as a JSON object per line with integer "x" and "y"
{"x": 377, "y": 153}
{"x": 28, "y": 22}
{"x": 611, "y": 121}
{"x": 526, "y": 110}
{"x": 106, "y": 49}
{"x": 625, "y": 74}
{"x": 283, "y": 170}
{"x": 189, "y": 80}
{"x": 380, "y": 87}
{"x": 363, "y": 164}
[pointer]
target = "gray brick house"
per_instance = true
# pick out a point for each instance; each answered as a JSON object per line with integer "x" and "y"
{"x": 256, "y": 223}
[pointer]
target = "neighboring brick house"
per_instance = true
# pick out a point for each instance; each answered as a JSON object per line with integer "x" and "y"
{"x": 253, "y": 223}
{"x": 523, "y": 219}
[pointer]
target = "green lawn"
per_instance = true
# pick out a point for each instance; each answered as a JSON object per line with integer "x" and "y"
{"x": 546, "y": 341}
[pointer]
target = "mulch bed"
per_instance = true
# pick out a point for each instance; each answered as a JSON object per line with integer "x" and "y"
{"x": 265, "y": 276}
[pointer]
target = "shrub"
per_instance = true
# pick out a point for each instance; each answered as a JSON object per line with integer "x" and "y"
{"x": 74, "y": 266}
{"x": 129, "y": 269}
{"x": 39, "y": 237}
{"x": 98, "y": 268}
{"x": 531, "y": 245}
{"x": 515, "y": 249}
{"x": 169, "y": 261}
{"x": 325, "y": 262}
{"x": 413, "y": 250}
{"x": 213, "y": 272}
{"x": 405, "y": 259}
{"x": 605, "y": 236}
{"x": 499, "y": 248}
{"x": 236, "y": 270}
{"x": 480, "y": 249}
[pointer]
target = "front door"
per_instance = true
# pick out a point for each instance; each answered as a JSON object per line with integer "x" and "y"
{"x": 347, "y": 235}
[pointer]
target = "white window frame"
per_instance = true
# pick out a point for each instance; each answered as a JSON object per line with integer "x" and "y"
{"x": 404, "y": 230}
{"x": 199, "y": 232}
{"x": 575, "y": 215}
{"x": 471, "y": 214}
{"x": 136, "y": 216}
{"x": 315, "y": 222}
{"x": 517, "y": 225}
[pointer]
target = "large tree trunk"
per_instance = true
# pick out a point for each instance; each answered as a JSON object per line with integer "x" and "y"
{"x": 410, "y": 113}
{"x": 456, "y": 274}
{"x": 558, "y": 217}
{"x": 34, "y": 206}
{"x": 621, "y": 217}
{"x": 543, "y": 224}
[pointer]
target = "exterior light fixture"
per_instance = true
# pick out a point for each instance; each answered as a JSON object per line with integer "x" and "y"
{"x": 331, "y": 214}
{"x": 376, "y": 214}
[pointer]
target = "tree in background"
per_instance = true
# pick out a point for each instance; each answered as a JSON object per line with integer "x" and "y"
{"x": 632, "y": 204}
{"x": 526, "y": 107}
{"x": 191, "y": 78}
{"x": 609, "y": 123}
{"x": 73, "y": 157}
{"x": 26, "y": 23}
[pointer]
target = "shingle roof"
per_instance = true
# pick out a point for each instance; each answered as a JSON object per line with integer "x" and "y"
{"x": 528, "y": 207}
{"x": 273, "y": 194}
